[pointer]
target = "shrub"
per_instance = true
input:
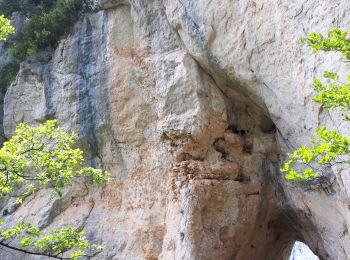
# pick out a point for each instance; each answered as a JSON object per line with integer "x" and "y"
{"x": 47, "y": 22}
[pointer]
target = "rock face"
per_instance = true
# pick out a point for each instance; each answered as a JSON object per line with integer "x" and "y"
{"x": 191, "y": 106}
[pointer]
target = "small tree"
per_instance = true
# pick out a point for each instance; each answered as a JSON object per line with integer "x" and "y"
{"x": 38, "y": 157}
{"x": 330, "y": 147}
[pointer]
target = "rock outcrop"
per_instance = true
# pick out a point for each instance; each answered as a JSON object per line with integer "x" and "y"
{"x": 191, "y": 106}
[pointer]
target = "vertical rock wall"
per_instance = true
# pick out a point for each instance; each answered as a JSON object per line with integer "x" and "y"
{"x": 252, "y": 47}
{"x": 190, "y": 105}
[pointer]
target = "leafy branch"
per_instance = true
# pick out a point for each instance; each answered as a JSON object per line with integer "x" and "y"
{"x": 35, "y": 157}
{"x": 330, "y": 147}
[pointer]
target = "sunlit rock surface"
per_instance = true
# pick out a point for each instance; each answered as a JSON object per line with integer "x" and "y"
{"x": 191, "y": 106}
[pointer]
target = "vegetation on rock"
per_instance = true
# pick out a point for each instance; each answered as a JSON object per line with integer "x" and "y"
{"x": 330, "y": 147}
{"x": 46, "y": 22}
{"x": 5, "y": 28}
{"x": 42, "y": 156}
{"x": 38, "y": 157}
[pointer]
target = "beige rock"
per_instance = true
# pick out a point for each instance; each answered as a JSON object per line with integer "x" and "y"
{"x": 179, "y": 101}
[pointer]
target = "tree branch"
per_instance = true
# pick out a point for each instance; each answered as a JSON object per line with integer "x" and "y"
{"x": 30, "y": 252}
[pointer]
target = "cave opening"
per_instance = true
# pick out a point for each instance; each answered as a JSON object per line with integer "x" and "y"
{"x": 301, "y": 251}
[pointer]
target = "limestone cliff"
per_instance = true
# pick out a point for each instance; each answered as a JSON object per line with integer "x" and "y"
{"x": 192, "y": 106}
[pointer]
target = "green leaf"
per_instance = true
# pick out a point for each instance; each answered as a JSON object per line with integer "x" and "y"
{"x": 5, "y": 28}
{"x": 330, "y": 75}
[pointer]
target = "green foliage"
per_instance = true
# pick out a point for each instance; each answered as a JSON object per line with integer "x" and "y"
{"x": 43, "y": 154}
{"x": 7, "y": 73}
{"x": 5, "y": 28}
{"x": 330, "y": 147}
{"x": 62, "y": 240}
{"x": 45, "y": 30}
{"x": 52, "y": 245}
{"x": 40, "y": 156}
{"x": 336, "y": 40}
{"x": 333, "y": 95}
{"x": 47, "y": 21}
{"x": 26, "y": 7}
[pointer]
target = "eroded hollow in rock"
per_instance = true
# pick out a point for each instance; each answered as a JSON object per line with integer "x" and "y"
{"x": 302, "y": 252}
{"x": 231, "y": 202}
{"x": 258, "y": 219}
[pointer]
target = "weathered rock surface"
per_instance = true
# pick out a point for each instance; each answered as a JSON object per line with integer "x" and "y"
{"x": 191, "y": 106}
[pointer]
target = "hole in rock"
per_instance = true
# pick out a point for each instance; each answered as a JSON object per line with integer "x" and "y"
{"x": 301, "y": 251}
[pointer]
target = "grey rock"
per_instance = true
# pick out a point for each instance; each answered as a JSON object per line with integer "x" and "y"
{"x": 192, "y": 106}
